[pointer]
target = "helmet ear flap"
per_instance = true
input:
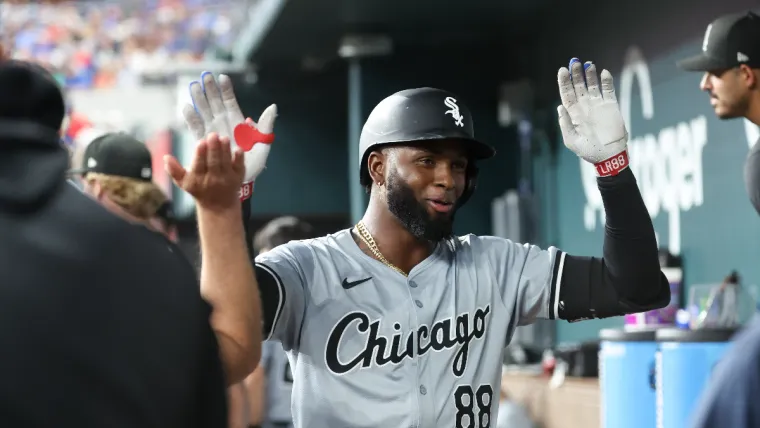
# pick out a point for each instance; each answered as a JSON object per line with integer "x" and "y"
{"x": 470, "y": 185}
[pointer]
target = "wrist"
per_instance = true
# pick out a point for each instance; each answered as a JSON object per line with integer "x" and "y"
{"x": 613, "y": 165}
{"x": 232, "y": 214}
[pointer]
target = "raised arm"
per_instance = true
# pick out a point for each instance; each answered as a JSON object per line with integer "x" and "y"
{"x": 628, "y": 278}
{"x": 228, "y": 282}
{"x": 227, "y": 161}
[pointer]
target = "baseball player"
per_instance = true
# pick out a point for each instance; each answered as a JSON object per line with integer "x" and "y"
{"x": 730, "y": 61}
{"x": 279, "y": 385}
{"x": 397, "y": 322}
{"x": 274, "y": 361}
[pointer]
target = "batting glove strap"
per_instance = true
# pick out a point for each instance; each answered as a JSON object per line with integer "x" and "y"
{"x": 613, "y": 165}
{"x": 245, "y": 192}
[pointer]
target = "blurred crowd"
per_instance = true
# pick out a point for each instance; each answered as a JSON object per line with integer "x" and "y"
{"x": 97, "y": 44}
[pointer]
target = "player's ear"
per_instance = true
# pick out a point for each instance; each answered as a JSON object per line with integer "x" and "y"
{"x": 376, "y": 163}
{"x": 748, "y": 76}
{"x": 754, "y": 78}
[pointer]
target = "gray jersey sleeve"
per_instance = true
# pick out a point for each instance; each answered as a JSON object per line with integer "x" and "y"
{"x": 282, "y": 274}
{"x": 528, "y": 277}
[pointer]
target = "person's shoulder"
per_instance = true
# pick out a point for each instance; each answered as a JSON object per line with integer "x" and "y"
{"x": 747, "y": 345}
{"x": 309, "y": 249}
{"x": 330, "y": 240}
{"x": 472, "y": 242}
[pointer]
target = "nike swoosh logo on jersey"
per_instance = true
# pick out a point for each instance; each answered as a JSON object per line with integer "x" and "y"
{"x": 348, "y": 285}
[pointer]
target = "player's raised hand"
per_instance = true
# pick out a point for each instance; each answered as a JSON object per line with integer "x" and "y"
{"x": 215, "y": 109}
{"x": 590, "y": 118}
{"x": 215, "y": 175}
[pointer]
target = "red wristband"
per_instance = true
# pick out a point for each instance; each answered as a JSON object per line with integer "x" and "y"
{"x": 245, "y": 192}
{"x": 613, "y": 165}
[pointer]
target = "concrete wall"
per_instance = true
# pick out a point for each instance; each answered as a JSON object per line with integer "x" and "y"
{"x": 688, "y": 163}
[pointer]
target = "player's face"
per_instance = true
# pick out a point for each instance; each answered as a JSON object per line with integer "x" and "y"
{"x": 423, "y": 185}
{"x": 729, "y": 95}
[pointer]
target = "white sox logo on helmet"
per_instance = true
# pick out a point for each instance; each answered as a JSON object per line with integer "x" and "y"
{"x": 451, "y": 103}
{"x": 444, "y": 334}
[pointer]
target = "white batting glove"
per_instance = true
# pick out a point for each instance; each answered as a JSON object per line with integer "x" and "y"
{"x": 590, "y": 118}
{"x": 216, "y": 109}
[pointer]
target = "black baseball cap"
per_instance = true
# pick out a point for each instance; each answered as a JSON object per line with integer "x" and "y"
{"x": 117, "y": 154}
{"x": 730, "y": 41}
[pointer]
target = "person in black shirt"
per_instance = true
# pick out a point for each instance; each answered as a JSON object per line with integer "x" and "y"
{"x": 730, "y": 61}
{"x": 101, "y": 319}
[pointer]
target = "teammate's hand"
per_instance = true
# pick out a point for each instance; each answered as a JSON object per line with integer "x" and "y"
{"x": 214, "y": 176}
{"x": 590, "y": 118}
{"x": 216, "y": 109}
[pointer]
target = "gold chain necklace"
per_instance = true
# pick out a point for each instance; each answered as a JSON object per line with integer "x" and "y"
{"x": 367, "y": 238}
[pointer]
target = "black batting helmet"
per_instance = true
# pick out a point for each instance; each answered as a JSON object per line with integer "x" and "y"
{"x": 417, "y": 115}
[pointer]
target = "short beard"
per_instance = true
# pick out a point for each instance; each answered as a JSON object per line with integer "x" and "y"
{"x": 414, "y": 216}
{"x": 737, "y": 109}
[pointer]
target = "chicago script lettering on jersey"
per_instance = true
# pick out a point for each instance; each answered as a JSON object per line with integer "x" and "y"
{"x": 444, "y": 334}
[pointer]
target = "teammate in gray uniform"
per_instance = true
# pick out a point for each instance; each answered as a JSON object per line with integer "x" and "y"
{"x": 730, "y": 61}
{"x": 279, "y": 385}
{"x": 397, "y": 322}
{"x": 278, "y": 377}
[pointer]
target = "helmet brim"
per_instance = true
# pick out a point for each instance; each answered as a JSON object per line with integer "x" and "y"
{"x": 476, "y": 150}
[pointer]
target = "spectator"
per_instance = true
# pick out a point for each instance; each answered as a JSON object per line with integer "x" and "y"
{"x": 98, "y": 44}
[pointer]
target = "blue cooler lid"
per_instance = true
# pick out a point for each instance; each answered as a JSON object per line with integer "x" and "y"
{"x": 702, "y": 335}
{"x": 620, "y": 335}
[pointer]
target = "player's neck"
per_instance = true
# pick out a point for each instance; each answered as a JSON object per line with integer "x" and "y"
{"x": 394, "y": 241}
{"x": 753, "y": 112}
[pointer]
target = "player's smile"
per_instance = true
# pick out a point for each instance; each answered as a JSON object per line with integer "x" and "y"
{"x": 440, "y": 205}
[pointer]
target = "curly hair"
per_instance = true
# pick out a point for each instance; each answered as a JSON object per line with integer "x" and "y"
{"x": 141, "y": 199}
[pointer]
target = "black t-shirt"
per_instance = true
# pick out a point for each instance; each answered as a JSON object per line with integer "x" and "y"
{"x": 752, "y": 175}
{"x": 101, "y": 324}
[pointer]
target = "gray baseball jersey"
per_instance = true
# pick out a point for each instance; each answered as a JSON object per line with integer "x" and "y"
{"x": 370, "y": 347}
{"x": 279, "y": 382}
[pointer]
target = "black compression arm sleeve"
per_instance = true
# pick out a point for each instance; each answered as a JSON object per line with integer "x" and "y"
{"x": 628, "y": 279}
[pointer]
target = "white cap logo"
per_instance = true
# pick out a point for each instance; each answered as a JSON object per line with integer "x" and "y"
{"x": 451, "y": 103}
{"x": 146, "y": 172}
{"x": 92, "y": 163}
{"x": 707, "y": 37}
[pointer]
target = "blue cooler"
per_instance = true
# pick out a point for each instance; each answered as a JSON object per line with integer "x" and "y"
{"x": 626, "y": 378}
{"x": 685, "y": 360}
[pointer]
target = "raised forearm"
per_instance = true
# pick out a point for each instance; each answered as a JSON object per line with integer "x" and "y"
{"x": 628, "y": 279}
{"x": 630, "y": 246}
{"x": 228, "y": 283}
